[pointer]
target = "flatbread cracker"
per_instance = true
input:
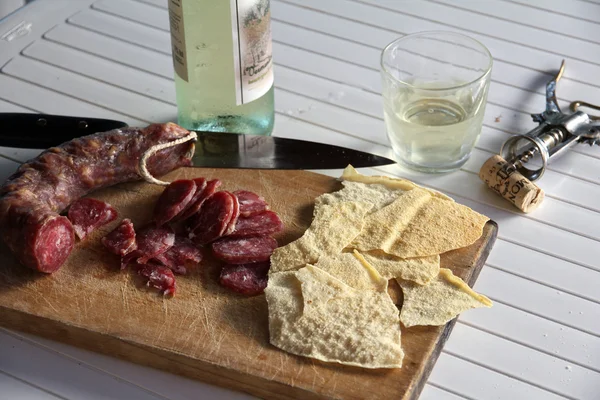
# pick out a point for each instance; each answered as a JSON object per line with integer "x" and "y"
{"x": 350, "y": 269}
{"x": 420, "y": 270}
{"x": 313, "y": 314}
{"x": 439, "y": 301}
{"x": 351, "y": 174}
{"x": 418, "y": 224}
{"x": 333, "y": 228}
{"x": 378, "y": 194}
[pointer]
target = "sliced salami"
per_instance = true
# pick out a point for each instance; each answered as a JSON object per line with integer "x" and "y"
{"x": 236, "y": 213}
{"x": 173, "y": 200}
{"x": 121, "y": 240}
{"x": 265, "y": 223}
{"x": 152, "y": 241}
{"x": 130, "y": 258}
{"x": 87, "y": 215}
{"x": 250, "y": 203}
{"x": 208, "y": 189}
{"x": 247, "y": 279}
{"x": 212, "y": 220}
{"x": 244, "y": 250}
{"x": 45, "y": 231}
{"x": 183, "y": 253}
{"x": 32, "y": 198}
{"x": 158, "y": 277}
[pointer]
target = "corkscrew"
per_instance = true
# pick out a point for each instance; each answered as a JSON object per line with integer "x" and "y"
{"x": 508, "y": 173}
{"x": 556, "y": 133}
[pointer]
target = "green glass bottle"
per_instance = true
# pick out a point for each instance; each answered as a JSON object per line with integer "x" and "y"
{"x": 223, "y": 65}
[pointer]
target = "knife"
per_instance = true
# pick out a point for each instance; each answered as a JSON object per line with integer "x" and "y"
{"x": 213, "y": 149}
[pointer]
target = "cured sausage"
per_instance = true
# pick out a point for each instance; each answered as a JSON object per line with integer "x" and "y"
{"x": 87, "y": 215}
{"x": 31, "y": 198}
{"x": 201, "y": 195}
{"x": 244, "y": 250}
{"x": 182, "y": 253}
{"x": 265, "y": 223}
{"x": 121, "y": 240}
{"x": 152, "y": 242}
{"x": 173, "y": 200}
{"x": 236, "y": 213}
{"x": 200, "y": 186}
{"x": 158, "y": 277}
{"x": 247, "y": 279}
{"x": 250, "y": 203}
{"x": 213, "y": 218}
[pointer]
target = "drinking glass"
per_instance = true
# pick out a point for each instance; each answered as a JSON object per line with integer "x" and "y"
{"x": 435, "y": 87}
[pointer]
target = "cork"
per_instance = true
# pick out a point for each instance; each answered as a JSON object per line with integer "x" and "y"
{"x": 514, "y": 187}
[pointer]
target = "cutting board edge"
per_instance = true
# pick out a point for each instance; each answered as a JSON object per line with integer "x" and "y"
{"x": 175, "y": 363}
{"x": 492, "y": 234}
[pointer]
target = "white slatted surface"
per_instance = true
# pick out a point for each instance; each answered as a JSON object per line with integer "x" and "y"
{"x": 541, "y": 340}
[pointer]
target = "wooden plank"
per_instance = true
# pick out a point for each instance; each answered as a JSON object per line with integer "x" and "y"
{"x": 206, "y": 332}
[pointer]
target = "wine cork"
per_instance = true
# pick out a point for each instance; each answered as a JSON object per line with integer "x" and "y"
{"x": 514, "y": 187}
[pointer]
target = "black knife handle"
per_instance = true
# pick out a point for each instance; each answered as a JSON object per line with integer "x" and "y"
{"x": 40, "y": 131}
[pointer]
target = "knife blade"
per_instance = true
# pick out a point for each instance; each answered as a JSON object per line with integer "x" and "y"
{"x": 213, "y": 149}
{"x": 40, "y": 131}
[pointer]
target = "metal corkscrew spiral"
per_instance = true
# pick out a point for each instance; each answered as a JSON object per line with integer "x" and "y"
{"x": 555, "y": 134}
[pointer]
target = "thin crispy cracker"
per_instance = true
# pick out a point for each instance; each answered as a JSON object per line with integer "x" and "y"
{"x": 350, "y": 269}
{"x": 378, "y": 194}
{"x": 419, "y": 269}
{"x": 313, "y": 314}
{"x": 439, "y": 301}
{"x": 333, "y": 228}
{"x": 418, "y": 224}
{"x": 351, "y": 174}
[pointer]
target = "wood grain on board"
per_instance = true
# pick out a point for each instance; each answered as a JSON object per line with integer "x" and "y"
{"x": 206, "y": 332}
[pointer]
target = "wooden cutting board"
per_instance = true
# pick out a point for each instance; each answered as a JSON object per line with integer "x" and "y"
{"x": 206, "y": 332}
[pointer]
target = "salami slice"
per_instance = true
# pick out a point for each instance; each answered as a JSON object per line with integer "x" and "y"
{"x": 87, "y": 215}
{"x": 199, "y": 198}
{"x": 212, "y": 220}
{"x": 42, "y": 232}
{"x": 250, "y": 203}
{"x": 158, "y": 277}
{"x": 247, "y": 279}
{"x": 244, "y": 250}
{"x": 183, "y": 253}
{"x": 121, "y": 240}
{"x": 173, "y": 200}
{"x": 32, "y": 198}
{"x": 152, "y": 241}
{"x": 236, "y": 213}
{"x": 265, "y": 223}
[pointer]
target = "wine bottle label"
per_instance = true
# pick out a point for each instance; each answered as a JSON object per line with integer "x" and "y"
{"x": 178, "y": 39}
{"x": 252, "y": 48}
{"x": 251, "y": 30}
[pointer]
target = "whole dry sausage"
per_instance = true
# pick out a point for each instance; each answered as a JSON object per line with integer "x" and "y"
{"x": 31, "y": 198}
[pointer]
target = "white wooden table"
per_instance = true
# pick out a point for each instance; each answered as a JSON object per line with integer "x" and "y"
{"x": 541, "y": 340}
